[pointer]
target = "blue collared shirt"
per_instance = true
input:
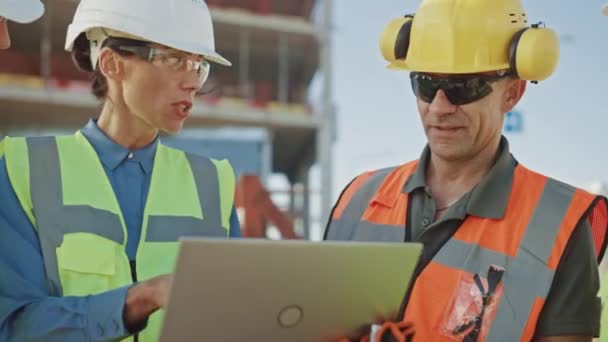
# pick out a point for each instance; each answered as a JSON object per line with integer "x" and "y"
{"x": 27, "y": 312}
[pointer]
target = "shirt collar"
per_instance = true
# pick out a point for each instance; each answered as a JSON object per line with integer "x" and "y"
{"x": 489, "y": 198}
{"x": 111, "y": 154}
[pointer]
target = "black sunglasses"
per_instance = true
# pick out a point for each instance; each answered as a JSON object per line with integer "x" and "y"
{"x": 460, "y": 90}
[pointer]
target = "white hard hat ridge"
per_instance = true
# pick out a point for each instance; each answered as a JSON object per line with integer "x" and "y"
{"x": 179, "y": 24}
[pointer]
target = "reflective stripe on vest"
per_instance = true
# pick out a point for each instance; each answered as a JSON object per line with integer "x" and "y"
{"x": 354, "y": 202}
{"x": 527, "y": 243}
{"x": 80, "y": 225}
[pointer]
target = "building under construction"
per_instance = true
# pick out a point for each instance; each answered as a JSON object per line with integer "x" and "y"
{"x": 258, "y": 113}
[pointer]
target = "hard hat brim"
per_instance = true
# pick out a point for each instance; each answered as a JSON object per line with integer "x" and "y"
{"x": 397, "y": 66}
{"x": 21, "y": 14}
{"x": 216, "y": 58}
{"x": 210, "y": 55}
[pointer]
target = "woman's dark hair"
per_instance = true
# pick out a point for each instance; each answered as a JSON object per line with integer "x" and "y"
{"x": 81, "y": 55}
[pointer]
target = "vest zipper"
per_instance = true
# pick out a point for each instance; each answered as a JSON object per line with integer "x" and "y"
{"x": 133, "y": 265}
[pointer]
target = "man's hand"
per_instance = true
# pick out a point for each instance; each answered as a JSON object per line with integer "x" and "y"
{"x": 144, "y": 299}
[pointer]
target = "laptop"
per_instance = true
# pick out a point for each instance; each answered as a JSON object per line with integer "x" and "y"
{"x": 263, "y": 290}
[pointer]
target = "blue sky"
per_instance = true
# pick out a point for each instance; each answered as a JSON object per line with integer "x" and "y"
{"x": 565, "y": 117}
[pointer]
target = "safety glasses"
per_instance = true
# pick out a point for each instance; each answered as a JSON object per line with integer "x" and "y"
{"x": 171, "y": 60}
{"x": 460, "y": 90}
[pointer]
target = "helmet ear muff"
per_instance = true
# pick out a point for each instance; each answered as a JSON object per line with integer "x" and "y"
{"x": 534, "y": 53}
{"x": 513, "y": 51}
{"x": 395, "y": 39}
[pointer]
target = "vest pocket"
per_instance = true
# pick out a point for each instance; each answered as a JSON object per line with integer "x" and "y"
{"x": 86, "y": 264}
{"x": 474, "y": 305}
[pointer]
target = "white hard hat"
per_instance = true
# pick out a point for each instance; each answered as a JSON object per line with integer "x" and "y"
{"x": 21, "y": 11}
{"x": 179, "y": 24}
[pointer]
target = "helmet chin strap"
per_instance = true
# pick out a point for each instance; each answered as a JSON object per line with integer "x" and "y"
{"x": 96, "y": 38}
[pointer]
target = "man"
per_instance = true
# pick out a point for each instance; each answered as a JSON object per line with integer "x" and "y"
{"x": 509, "y": 254}
{"x": 21, "y": 11}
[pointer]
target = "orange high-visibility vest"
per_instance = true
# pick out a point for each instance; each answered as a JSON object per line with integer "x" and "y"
{"x": 496, "y": 273}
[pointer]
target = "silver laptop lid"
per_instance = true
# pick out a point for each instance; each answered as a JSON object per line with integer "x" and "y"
{"x": 260, "y": 290}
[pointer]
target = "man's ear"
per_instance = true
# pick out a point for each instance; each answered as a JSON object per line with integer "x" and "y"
{"x": 513, "y": 94}
{"x": 111, "y": 65}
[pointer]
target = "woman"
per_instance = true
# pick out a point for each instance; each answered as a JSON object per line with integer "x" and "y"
{"x": 84, "y": 217}
{"x": 22, "y": 11}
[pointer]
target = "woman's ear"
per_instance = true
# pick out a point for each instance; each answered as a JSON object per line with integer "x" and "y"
{"x": 110, "y": 64}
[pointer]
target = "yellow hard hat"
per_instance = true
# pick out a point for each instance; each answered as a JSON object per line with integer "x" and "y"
{"x": 471, "y": 36}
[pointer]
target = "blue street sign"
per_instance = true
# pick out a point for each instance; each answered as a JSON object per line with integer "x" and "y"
{"x": 514, "y": 122}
